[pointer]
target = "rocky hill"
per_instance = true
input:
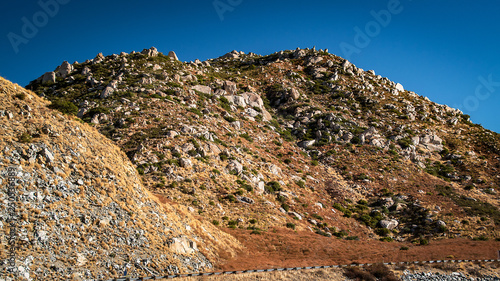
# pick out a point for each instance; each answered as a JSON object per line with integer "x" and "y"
{"x": 301, "y": 140}
{"x": 73, "y": 205}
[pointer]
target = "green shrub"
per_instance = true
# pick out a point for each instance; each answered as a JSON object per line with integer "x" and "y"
{"x": 247, "y": 137}
{"x": 382, "y": 231}
{"x": 20, "y": 96}
{"x": 25, "y": 137}
{"x": 423, "y": 241}
{"x": 196, "y": 111}
{"x": 316, "y": 216}
{"x": 356, "y": 140}
{"x": 64, "y": 106}
{"x": 224, "y": 103}
{"x": 405, "y": 142}
{"x": 285, "y": 207}
{"x": 340, "y": 234}
{"x": 229, "y": 118}
{"x": 272, "y": 187}
{"x": 301, "y": 183}
{"x": 290, "y": 225}
{"x": 480, "y": 238}
{"x": 173, "y": 162}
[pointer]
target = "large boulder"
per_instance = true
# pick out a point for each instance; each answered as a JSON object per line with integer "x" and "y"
{"x": 48, "y": 77}
{"x": 235, "y": 167}
{"x": 306, "y": 143}
{"x": 294, "y": 94}
{"x": 389, "y": 224}
{"x": 254, "y": 100}
{"x": 185, "y": 163}
{"x": 203, "y": 89}
{"x": 230, "y": 87}
{"x": 151, "y": 52}
{"x": 399, "y": 87}
{"x": 431, "y": 142}
{"x": 64, "y": 69}
{"x": 107, "y": 92}
{"x": 231, "y": 55}
{"x": 182, "y": 245}
{"x": 172, "y": 55}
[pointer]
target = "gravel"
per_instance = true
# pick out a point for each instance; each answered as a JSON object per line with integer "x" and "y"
{"x": 454, "y": 276}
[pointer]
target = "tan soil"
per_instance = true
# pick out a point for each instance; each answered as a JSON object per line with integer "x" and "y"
{"x": 286, "y": 248}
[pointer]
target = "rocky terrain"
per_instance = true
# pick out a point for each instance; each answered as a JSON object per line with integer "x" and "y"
{"x": 300, "y": 141}
{"x": 73, "y": 205}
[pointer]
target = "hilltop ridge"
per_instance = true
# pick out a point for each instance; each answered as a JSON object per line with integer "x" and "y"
{"x": 299, "y": 141}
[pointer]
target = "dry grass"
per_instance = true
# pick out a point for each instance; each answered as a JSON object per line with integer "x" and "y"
{"x": 109, "y": 178}
{"x": 303, "y": 275}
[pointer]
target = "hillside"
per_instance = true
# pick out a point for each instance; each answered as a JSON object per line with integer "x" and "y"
{"x": 74, "y": 206}
{"x": 299, "y": 141}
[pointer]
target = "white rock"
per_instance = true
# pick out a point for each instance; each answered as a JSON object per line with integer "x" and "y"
{"x": 64, "y": 69}
{"x": 108, "y": 91}
{"x": 203, "y": 89}
{"x": 185, "y": 163}
{"x": 172, "y": 55}
{"x": 48, "y": 77}
{"x": 230, "y": 87}
{"x": 235, "y": 167}
{"x": 399, "y": 87}
{"x": 294, "y": 214}
{"x": 389, "y": 224}
{"x": 151, "y": 52}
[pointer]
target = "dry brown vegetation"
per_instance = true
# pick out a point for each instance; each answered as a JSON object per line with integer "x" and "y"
{"x": 286, "y": 203}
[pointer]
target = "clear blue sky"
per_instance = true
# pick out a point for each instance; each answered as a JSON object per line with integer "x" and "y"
{"x": 445, "y": 50}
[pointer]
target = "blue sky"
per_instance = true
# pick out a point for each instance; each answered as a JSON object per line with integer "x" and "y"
{"x": 445, "y": 50}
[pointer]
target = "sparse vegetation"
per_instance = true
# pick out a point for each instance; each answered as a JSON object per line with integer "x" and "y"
{"x": 349, "y": 146}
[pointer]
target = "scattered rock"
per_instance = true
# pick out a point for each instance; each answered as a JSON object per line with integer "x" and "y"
{"x": 107, "y": 92}
{"x": 235, "y": 167}
{"x": 389, "y": 224}
{"x": 64, "y": 69}
{"x": 151, "y": 52}
{"x": 48, "y": 77}
{"x": 172, "y": 55}
{"x": 203, "y": 89}
{"x": 185, "y": 163}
